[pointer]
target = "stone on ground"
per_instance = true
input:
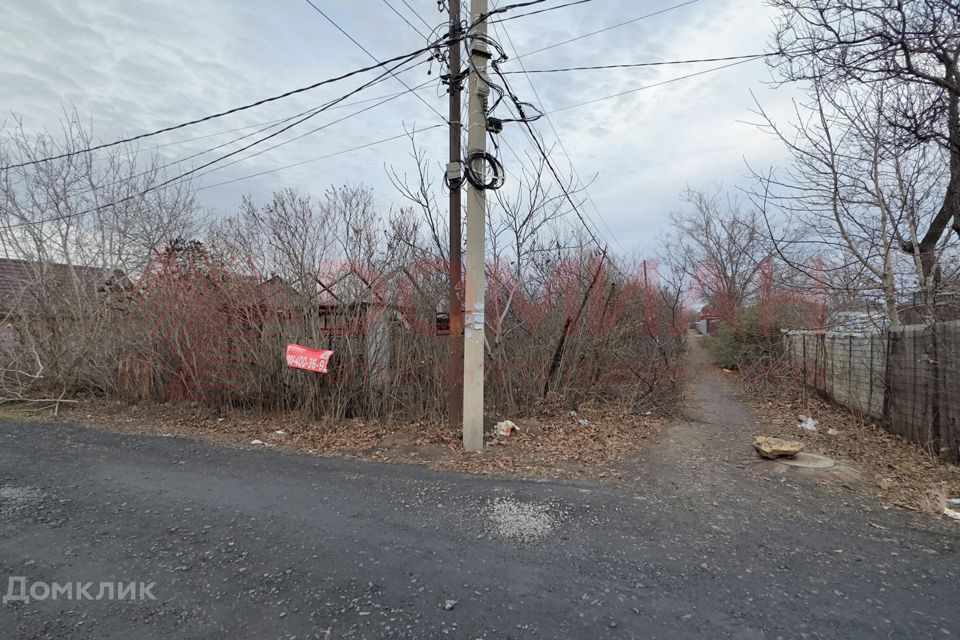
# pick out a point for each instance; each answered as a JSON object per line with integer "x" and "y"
{"x": 773, "y": 448}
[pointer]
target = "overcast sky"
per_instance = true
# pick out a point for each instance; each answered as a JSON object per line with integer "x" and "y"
{"x": 132, "y": 67}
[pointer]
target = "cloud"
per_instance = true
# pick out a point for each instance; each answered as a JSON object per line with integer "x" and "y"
{"x": 135, "y": 67}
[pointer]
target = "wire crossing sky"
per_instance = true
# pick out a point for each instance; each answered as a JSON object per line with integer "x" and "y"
{"x": 637, "y": 134}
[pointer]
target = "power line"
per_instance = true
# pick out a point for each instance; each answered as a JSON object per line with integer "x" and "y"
{"x": 404, "y": 18}
{"x": 310, "y": 114}
{"x": 533, "y": 13}
{"x": 312, "y": 131}
{"x": 533, "y": 171}
{"x": 217, "y": 133}
{"x": 270, "y": 126}
{"x": 614, "y": 26}
{"x": 221, "y": 114}
{"x": 417, "y": 13}
{"x": 547, "y": 115}
{"x": 560, "y": 142}
{"x": 649, "y": 86}
{"x": 318, "y": 158}
{"x": 186, "y": 174}
{"x": 179, "y": 161}
{"x": 520, "y": 5}
{"x": 644, "y": 64}
{"x": 280, "y": 120}
{"x": 373, "y": 57}
{"x": 327, "y": 107}
{"x": 592, "y": 230}
{"x": 556, "y": 176}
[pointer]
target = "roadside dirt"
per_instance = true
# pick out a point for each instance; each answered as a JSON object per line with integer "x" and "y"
{"x": 899, "y": 472}
{"x": 590, "y": 442}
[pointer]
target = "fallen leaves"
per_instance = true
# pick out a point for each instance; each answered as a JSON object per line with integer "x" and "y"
{"x": 904, "y": 474}
{"x": 592, "y": 441}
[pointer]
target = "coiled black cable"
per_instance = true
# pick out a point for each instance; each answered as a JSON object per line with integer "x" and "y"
{"x": 477, "y": 179}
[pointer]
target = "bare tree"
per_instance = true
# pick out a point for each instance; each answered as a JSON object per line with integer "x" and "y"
{"x": 109, "y": 209}
{"x": 565, "y": 319}
{"x": 720, "y": 245}
{"x": 857, "y": 194}
{"x": 78, "y": 231}
{"x": 420, "y": 193}
{"x": 885, "y": 73}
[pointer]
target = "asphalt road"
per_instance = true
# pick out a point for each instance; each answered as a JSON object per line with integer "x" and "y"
{"x": 696, "y": 542}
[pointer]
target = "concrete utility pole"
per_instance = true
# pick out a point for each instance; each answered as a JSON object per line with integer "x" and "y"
{"x": 454, "y": 177}
{"x": 473, "y": 334}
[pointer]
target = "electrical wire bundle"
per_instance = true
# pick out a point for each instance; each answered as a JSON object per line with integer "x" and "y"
{"x": 480, "y": 168}
{"x": 480, "y": 178}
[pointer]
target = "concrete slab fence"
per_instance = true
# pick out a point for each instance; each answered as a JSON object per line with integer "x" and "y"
{"x": 908, "y": 379}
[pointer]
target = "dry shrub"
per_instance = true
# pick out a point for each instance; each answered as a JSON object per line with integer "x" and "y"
{"x": 587, "y": 333}
{"x": 119, "y": 300}
{"x": 75, "y": 230}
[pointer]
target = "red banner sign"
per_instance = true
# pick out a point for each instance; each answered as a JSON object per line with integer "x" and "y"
{"x": 300, "y": 357}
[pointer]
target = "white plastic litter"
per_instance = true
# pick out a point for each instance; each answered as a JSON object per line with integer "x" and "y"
{"x": 279, "y": 432}
{"x": 256, "y": 442}
{"x": 807, "y": 423}
{"x": 505, "y": 428}
{"x": 832, "y": 432}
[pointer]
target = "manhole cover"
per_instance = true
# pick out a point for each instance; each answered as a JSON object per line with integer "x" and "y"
{"x": 808, "y": 461}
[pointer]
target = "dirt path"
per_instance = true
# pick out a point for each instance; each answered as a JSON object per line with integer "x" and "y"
{"x": 699, "y": 452}
{"x": 705, "y": 461}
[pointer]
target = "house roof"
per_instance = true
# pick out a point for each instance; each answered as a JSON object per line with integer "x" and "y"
{"x": 707, "y": 312}
{"x": 24, "y": 282}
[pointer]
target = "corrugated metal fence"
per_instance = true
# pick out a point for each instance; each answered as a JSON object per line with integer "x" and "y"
{"x": 908, "y": 378}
